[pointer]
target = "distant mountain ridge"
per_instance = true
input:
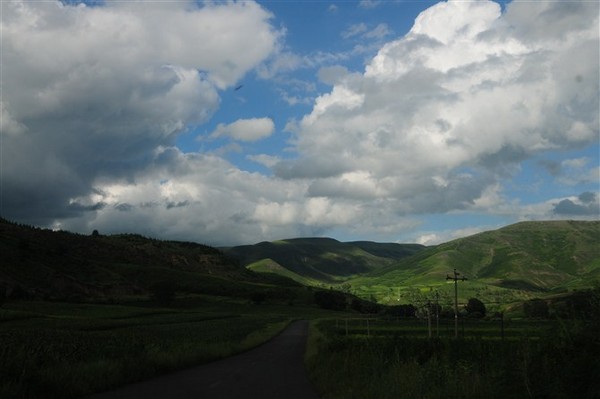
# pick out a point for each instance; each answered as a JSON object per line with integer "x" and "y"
{"x": 525, "y": 256}
{"x": 320, "y": 259}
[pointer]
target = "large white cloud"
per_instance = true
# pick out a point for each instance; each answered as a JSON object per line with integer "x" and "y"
{"x": 444, "y": 112}
{"x": 94, "y": 97}
{"x": 91, "y": 92}
{"x": 252, "y": 129}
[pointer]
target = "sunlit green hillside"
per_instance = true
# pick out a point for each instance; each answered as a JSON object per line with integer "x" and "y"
{"x": 517, "y": 261}
{"x": 529, "y": 256}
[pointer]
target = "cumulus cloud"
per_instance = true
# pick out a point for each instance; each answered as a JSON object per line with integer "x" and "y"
{"x": 204, "y": 198}
{"x": 94, "y": 99}
{"x": 446, "y": 112}
{"x": 585, "y": 204}
{"x": 333, "y": 74}
{"x": 91, "y": 92}
{"x": 246, "y": 129}
{"x": 572, "y": 172}
{"x": 449, "y": 235}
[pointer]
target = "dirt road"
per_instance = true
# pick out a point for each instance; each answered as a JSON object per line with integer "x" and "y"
{"x": 273, "y": 370}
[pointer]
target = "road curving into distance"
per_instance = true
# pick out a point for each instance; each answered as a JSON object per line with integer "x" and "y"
{"x": 274, "y": 370}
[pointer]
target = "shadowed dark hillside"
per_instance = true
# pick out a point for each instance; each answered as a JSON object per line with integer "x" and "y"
{"x": 41, "y": 263}
{"x": 388, "y": 250}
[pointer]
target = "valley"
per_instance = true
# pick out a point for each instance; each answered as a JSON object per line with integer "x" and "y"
{"x": 81, "y": 314}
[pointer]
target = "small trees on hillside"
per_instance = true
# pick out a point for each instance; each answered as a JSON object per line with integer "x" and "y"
{"x": 402, "y": 311}
{"x": 332, "y": 300}
{"x": 475, "y": 308}
{"x": 363, "y": 306}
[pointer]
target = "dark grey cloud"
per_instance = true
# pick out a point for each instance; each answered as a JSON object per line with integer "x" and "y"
{"x": 503, "y": 161}
{"x": 430, "y": 126}
{"x": 82, "y": 107}
{"x": 77, "y": 207}
{"x": 459, "y": 192}
{"x": 589, "y": 206}
{"x": 588, "y": 197}
{"x": 124, "y": 207}
{"x": 554, "y": 168}
{"x": 179, "y": 204}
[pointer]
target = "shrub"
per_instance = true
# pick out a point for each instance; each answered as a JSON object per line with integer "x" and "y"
{"x": 362, "y": 306}
{"x": 332, "y": 300}
{"x": 475, "y": 308}
{"x": 402, "y": 310}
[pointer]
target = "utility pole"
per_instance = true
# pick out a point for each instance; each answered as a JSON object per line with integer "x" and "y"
{"x": 429, "y": 319}
{"x": 437, "y": 313}
{"x": 456, "y": 279}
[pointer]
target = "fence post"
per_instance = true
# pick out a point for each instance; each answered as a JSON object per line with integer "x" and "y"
{"x": 346, "y": 320}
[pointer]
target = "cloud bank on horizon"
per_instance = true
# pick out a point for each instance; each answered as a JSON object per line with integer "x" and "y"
{"x": 440, "y": 121}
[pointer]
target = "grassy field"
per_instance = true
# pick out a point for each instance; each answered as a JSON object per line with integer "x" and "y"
{"x": 492, "y": 329}
{"x": 61, "y": 350}
{"x": 84, "y": 314}
{"x": 65, "y": 350}
{"x": 396, "y": 359}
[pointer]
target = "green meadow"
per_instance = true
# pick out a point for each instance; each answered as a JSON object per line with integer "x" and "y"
{"x": 84, "y": 314}
{"x": 68, "y": 350}
{"x": 378, "y": 358}
{"x": 65, "y": 350}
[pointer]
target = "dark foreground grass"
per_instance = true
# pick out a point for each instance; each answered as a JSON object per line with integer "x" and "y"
{"x": 559, "y": 363}
{"x": 54, "y": 350}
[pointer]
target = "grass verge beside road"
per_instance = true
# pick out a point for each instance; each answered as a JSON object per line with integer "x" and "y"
{"x": 59, "y": 350}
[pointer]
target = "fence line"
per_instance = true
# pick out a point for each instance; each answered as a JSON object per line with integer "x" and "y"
{"x": 414, "y": 326}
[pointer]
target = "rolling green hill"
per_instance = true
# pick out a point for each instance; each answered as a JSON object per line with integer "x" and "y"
{"x": 45, "y": 264}
{"x": 270, "y": 266}
{"x": 516, "y": 261}
{"x": 324, "y": 260}
{"x": 527, "y": 256}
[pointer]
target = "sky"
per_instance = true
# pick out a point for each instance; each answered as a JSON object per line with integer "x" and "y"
{"x": 236, "y": 122}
